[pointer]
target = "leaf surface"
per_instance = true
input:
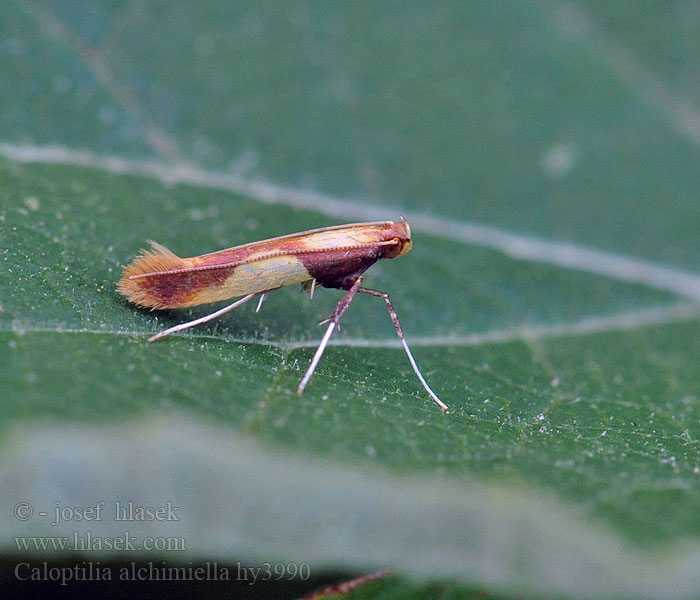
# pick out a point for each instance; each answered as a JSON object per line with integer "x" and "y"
{"x": 551, "y": 297}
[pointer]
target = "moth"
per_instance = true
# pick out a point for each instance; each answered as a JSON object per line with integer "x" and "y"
{"x": 332, "y": 257}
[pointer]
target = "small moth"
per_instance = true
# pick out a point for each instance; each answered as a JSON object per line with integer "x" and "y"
{"x": 334, "y": 257}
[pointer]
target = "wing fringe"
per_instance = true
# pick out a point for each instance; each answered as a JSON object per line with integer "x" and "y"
{"x": 149, "y": 262}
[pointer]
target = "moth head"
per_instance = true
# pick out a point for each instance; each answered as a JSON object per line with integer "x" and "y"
{"x": 399, "y": 232}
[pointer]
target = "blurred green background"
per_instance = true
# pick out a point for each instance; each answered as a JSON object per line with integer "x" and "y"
{"x": 546, "y": 156}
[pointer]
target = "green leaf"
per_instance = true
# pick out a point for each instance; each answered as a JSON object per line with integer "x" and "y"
{"x": 548, "y": 169}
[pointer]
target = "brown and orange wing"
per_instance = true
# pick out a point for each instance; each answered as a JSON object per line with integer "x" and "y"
{"x": 160, "y": 279}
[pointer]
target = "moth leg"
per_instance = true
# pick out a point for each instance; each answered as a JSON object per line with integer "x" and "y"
{"x": 399, "y": 332}
{"x": 262, "y": 298}
{"x": 203, "y": 319}
{"x": 332, "y": 324}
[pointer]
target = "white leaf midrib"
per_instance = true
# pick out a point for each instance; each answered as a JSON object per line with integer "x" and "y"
{"x": 567, "y": 255}
{"x": 626, "y": 321}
